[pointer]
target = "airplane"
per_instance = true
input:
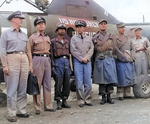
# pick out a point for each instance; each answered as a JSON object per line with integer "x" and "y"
{"x": 68, "y": 11}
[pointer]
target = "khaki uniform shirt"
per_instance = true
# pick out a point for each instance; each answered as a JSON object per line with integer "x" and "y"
{"x": 38, "y": 44}
{"x": 143, "y": 42}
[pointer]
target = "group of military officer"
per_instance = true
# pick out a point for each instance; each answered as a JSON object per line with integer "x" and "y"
{"x": 113, "y": 64}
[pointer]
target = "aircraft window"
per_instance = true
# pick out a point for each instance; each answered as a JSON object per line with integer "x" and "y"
{"x": 94, "y": 18}
{"x": 87, "y": 2}
{"x": 78, "y": 11}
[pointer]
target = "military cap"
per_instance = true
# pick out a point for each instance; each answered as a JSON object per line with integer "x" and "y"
{"x": 60, "y": 26}
{"x": 121, "y": 24}
{"x": 102, "y": 20}
{"x": 16, "y": 14}
{"x": 137, "y": 28}
{"x": 39, "y": 20}
{"x": 80, "y": 23}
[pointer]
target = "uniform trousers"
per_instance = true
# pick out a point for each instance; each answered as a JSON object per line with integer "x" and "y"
{"x": 16, "y": 83}
{"x": 105, "y": 89}
{"x": 123, "y": 91}
{"x": 42, "y": 70}
{"x": 62, "y": 78}
{"x": 83, "y": 80}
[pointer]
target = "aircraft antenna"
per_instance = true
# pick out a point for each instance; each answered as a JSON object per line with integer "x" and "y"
{"x": 143, "y": 18}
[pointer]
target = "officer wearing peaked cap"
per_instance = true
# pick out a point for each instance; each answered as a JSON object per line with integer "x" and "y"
{"x": 125, "y": 63}
{"x": 39, "y": 20}
{"x": 15, "y": 66}
{"x": 16, "y": 14}
{"x": 38, "y": 48}
{"x": 105, "y": 73}
{"x": 61, "y": 68}
{"x": 81, "y": 48}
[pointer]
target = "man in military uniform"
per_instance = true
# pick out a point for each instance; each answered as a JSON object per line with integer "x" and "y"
{"x": 15, "y": 66}
{"x": 38, "y": 48}
{"x": 139, "y": 47}
{"x": 81, "y": 47}
{"x": 60, "y": 54}
{"x": 105, "y": 73}
{"x": 125, "y": 67}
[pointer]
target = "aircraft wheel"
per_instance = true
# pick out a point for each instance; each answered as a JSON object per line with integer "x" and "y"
{"x": 72, "y": 85}
{"x": 3, "y": 100}
{"x": 142, "y": 88}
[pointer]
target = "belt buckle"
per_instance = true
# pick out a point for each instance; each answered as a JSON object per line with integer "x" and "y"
{"x": 21, "y": 52}
{"x": 141, "y": 51}
{"x": 45, "y": 55}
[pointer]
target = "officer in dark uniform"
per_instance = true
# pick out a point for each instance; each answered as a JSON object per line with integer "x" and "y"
{"x": 60, "y": 55}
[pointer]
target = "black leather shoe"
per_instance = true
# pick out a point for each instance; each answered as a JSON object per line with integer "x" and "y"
{"x": 81, "y": 105}
{"x": 12, "y": 119}
{"x": 103, "y": 101}
{"x": 129, "y": 97}
{"x": 59, "y": 105}
{"x": 37, "y": 112}
{"x": 26, "y": 115}
{"x": 88, "y": 104}
{"x": 109, "y": 100}
{"x": 50, "y": 110}
{"x": 65, "y": 104}
{"x": 120, "y": 98}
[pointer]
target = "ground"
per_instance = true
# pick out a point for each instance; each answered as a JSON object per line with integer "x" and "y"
{"x": 128, "y": 111}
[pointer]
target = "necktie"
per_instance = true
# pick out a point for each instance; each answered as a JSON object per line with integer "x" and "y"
{"x": 81, "y": 37}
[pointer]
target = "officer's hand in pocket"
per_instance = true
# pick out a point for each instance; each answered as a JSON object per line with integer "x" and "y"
{"x": 6, "y": 70}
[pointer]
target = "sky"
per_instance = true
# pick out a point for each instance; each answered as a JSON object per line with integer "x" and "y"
{"x": 124, "y": 10}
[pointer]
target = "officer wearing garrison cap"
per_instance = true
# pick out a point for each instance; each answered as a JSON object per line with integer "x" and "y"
{"x": 15, "y": 66}
{"x": 125, "y": 67}
{"x": 81, "y": 48}
{"x": 105, "y": 73}
{"x": 60, "y": 54}
{"x": 139, "y": 47}
{"x": 38, "y": 48}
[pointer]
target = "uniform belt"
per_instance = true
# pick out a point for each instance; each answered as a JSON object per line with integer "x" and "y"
{"x": 16, "y": 52}
{"x": 140, "y": 51}
{"x": 65, "y": 57}
{"x": 42, "y": 55}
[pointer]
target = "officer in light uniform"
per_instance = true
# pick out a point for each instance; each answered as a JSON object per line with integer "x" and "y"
{"x": 60, "y": 54}
{"x": 139, "y": 46}
{"x": 105, "y": 73}
{"x": 15, "y": 66}
{"x": 125, "y": 67}
{"x": 38, "y": 48}
{"x": 81, "y": 48}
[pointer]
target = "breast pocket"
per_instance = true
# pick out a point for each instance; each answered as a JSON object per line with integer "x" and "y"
{"x": 58, "y": 45}
{"x": 67, "y": 45}
{"x": 38, "y": 45}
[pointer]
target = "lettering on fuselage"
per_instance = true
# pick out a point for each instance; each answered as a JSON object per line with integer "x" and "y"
{"x": 68, "y": 21}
